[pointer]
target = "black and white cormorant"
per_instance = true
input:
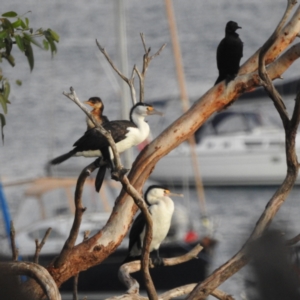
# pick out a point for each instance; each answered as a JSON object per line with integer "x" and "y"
{"x": 97, "y": 112}
{"x": 161, "y": 208}
{"x": 125, "y": 133}
{"x": 229, "y": 53}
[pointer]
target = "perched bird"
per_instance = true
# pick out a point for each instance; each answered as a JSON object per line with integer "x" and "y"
{"x": 161, "y": 208}
{"x": 125, "y": 133}
{"x": 229, "y": 53}
{"x": 97, "y": 112}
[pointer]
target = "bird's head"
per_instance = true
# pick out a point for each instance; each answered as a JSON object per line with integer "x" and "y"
{"x": 154, "y": 192}
{"x": 143, "y": 109}
{"x": 95, "y": 102}
{"x": 231, "y": 27}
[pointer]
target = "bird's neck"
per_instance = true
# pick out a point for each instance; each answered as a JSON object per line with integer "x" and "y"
{"x": 231, "y": 34}
{"x": 143, "y": 126}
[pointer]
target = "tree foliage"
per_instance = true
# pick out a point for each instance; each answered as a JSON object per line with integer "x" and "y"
{"x": 15, "y": 30}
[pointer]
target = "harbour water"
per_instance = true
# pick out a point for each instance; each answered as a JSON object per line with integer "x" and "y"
{"x": 42, "y": 123}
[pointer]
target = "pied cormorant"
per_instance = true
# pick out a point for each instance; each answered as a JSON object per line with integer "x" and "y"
{"x": 125, "y": 133}
{"x": 161, "y": 208}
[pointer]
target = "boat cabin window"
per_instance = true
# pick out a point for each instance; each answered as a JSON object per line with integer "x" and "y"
{"x": 229, "y": 122}
{"x": 40, "y": 233}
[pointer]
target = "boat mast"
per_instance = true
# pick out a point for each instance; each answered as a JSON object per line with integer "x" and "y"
{"x": 185, "y": 104}
{"x": 123, "y": 56}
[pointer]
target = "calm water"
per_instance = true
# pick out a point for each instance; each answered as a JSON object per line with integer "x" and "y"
{"x": 43, "y": 123}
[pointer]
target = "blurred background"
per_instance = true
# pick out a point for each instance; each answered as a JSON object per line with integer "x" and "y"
{"x": 42, "y": 123}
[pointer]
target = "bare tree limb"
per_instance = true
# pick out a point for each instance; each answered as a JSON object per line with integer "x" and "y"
{"x": 146, "y": 61}
{"x": 130, "y": 81}
{"x": 134, "y": 266}
{"x": 241, "y": 258}
{"x": 35, "y": 271}
{"x": 79, "y": 210}
{"x": 38, "y": 247}
{"x": 14, "y": 249}
{"x": 285, "y": 38}
{"x": 293, "y": 241}
{"x": 76, "y": 277}
{"x": 266, "y": 81}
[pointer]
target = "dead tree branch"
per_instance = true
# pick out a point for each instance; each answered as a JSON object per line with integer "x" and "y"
{"x": 79, "y": 210}
{"x": 35, "y": 271}
{"x": 241, "y": 258}
{"x": 146, "y": 61}
{"x": 14, "y": 249}
{"x": 38, "y": 247}
{"x": 293, "y": 241}
{"x": 130, "y": 81}
{"x": 135, "y": 266}
{"x": 286, "y": 36}
{"x": 76, "y": 277}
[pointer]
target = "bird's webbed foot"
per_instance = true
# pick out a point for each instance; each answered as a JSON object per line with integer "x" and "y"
{"x": 229, "y": 77}
{"x": 157, "y": 261}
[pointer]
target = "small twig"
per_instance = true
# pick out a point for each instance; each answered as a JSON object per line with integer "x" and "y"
{"x": 76, "y": 277}
{"x": 14, "y": 249}
{"x": 146, "y": 61}
{"x": 38, "y": 247}
{"x": 79, "y": 210}
{"x": 293, "y": 241}
{"x": 130, "y": 81}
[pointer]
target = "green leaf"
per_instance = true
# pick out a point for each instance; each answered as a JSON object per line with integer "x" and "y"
{"x": 10, "y": 59}
{"x": 19, "y": 82}
{"x": 27, "y": 22}
{"x": 23, "y": 25}
{"x": 46, "y": 45}
{"x": 6, "y": 90}
{"x": 52, "y": 44}
{"x": 3, "y": 34}
{"x": 3, "y": 103}
{"x": 32, "y": 40}
{"x": 10, "y": 14}
{"x": 19, "y": 41}
{"x": 17, "y": 23}
{"x": 54, "y": 35}
{"x": 29, "y": 53}
{"x": 3, "y": 123}
{"x": 7, "y": 25}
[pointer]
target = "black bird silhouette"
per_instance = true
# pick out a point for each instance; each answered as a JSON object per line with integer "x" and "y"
{"x": 229, "y": 53}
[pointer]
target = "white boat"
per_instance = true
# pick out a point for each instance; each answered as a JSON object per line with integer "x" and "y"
{"x": 235, "y": 147}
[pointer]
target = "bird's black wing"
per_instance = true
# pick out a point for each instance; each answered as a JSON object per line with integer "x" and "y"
{"x": 136, "y": 229}
{"x": 94, "y": 140}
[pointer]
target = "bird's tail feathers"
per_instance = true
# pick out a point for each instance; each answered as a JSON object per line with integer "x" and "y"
{"x": 62, "y": 158}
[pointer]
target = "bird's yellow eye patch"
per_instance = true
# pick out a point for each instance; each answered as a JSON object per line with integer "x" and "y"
{"x": 149, "y": 108}
{"x": 167, "y": 192}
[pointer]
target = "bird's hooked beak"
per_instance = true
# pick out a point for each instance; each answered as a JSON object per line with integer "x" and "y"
{"x": 88, "y": 102}
{"x": 168, "y": 193}
{"x": 153, "y": 111}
